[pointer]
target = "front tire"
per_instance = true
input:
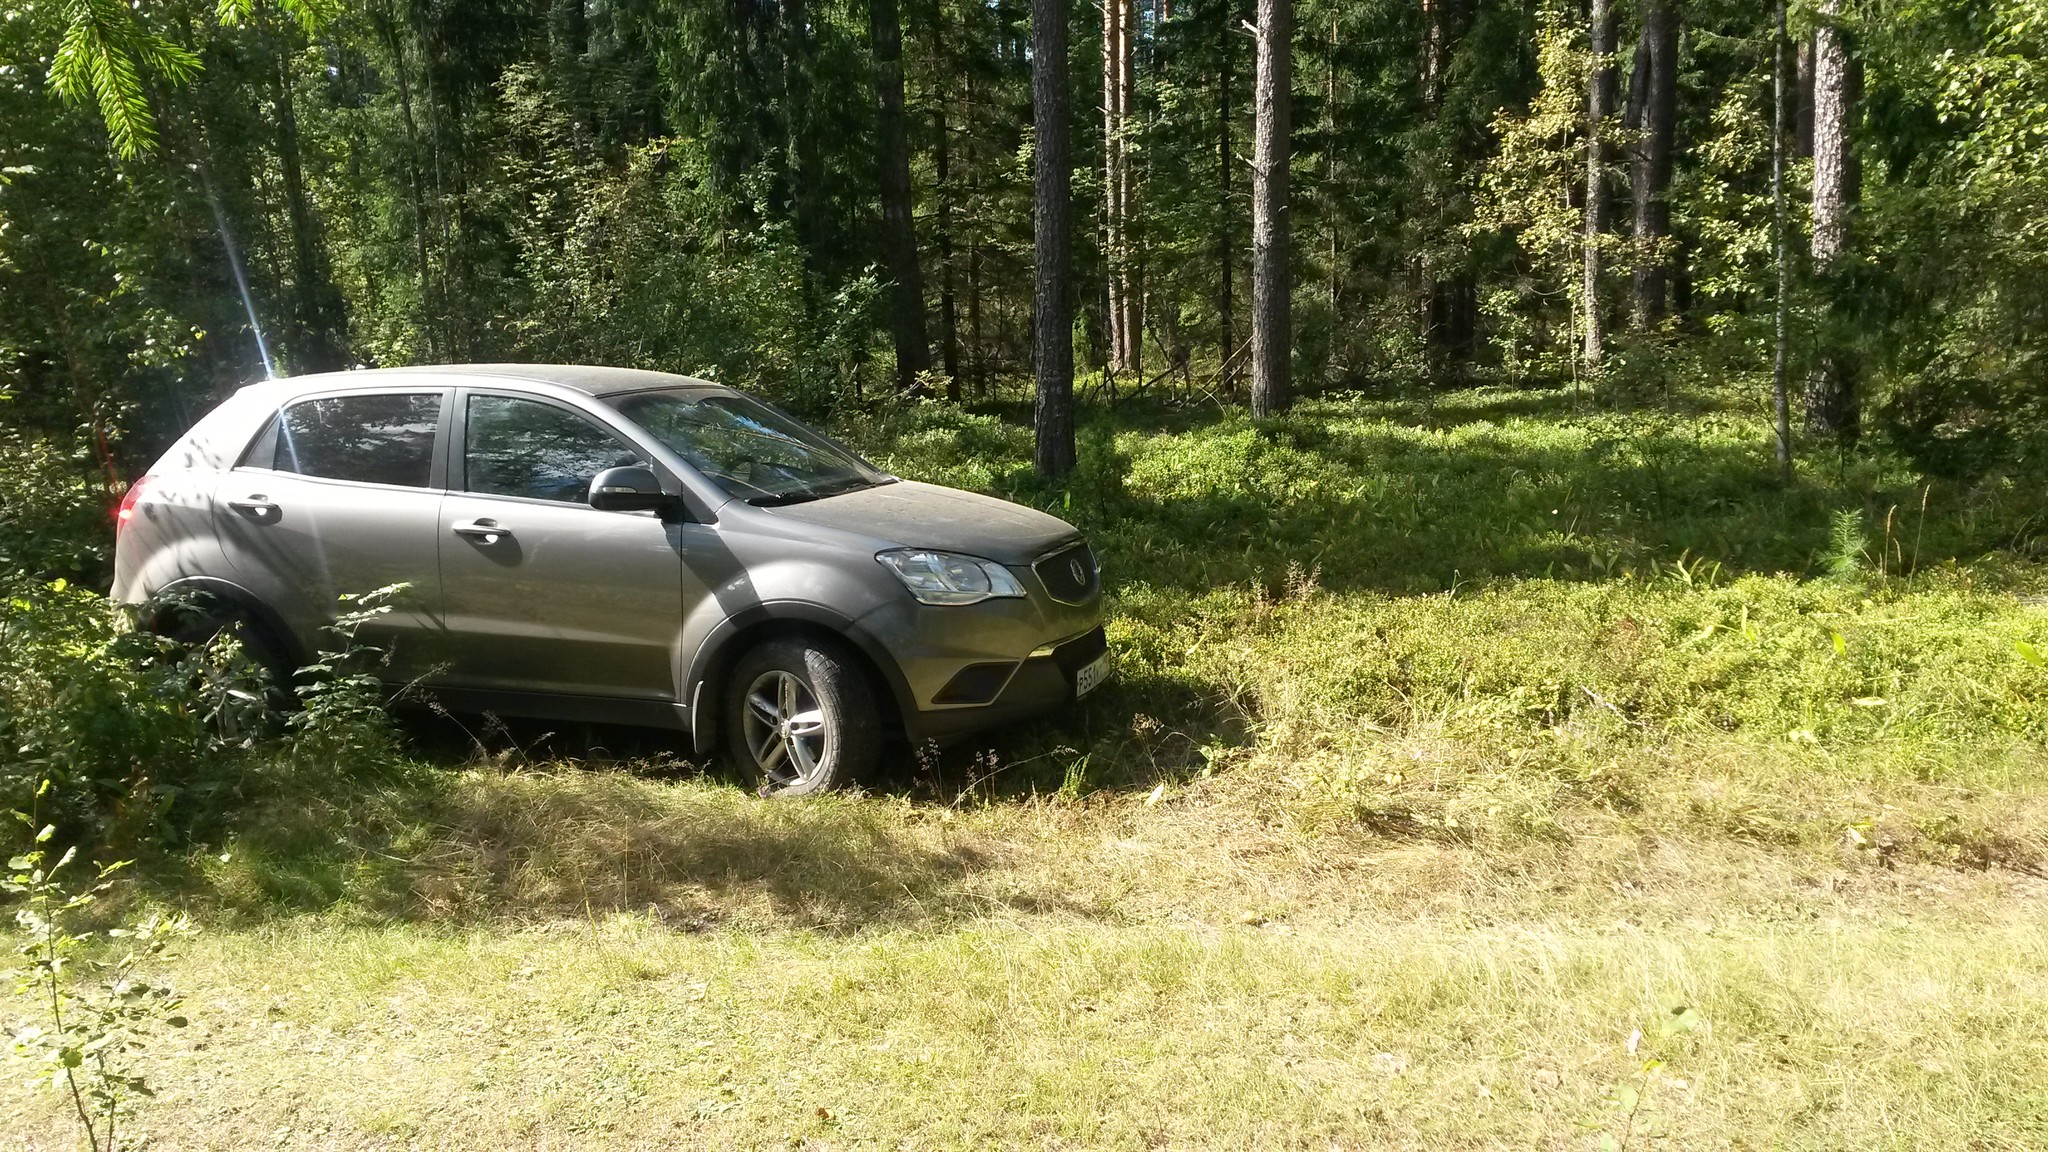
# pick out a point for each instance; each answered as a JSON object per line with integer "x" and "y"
{"x": 800, "y": 717}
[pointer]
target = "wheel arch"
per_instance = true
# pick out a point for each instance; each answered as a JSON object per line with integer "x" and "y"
{"x": 705, "y": 683}
{"x": 150, "y": 614}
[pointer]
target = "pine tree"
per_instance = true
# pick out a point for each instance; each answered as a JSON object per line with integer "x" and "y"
{"x": 1272, "y": 239}
{"x": 1052, "y": 217}
{"x": 899, "y": 233}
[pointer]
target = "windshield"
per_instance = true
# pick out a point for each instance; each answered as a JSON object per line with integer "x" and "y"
{"x": 747, "y": 448}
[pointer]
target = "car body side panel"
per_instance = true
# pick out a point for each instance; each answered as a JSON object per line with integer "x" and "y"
{"x": 170, "y": 536}
{"x": 330, "y": 538}
{"x": 570, "y": 599}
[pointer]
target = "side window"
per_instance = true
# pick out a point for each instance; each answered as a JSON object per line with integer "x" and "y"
{"x": 377, "y": 439}
{"x": 516, "y": 447}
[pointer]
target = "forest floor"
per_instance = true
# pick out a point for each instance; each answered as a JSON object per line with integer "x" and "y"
{"x": 1491, "y": 772}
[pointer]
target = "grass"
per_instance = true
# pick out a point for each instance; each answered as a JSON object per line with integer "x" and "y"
{"x": 1452, "y": 745}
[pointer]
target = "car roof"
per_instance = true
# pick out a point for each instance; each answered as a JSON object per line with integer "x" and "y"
{"x": 589, "y": 379}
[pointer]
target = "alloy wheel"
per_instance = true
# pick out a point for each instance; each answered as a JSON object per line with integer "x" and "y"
{"x": 786, "y": 730}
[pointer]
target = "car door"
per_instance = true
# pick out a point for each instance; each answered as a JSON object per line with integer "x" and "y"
{"x": 539, "y": 591}
{"x": 339, "y": 496}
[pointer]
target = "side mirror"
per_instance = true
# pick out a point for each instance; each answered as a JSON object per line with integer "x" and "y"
{"x": 632, "y": 489}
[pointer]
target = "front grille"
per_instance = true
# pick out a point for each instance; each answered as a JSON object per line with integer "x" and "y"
{"x": 1070, "y": 575}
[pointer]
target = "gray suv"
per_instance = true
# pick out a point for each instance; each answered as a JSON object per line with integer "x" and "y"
{"x": 616, "y": 546}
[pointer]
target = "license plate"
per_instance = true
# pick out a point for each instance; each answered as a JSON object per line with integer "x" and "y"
{"x": 1091, "y": 676}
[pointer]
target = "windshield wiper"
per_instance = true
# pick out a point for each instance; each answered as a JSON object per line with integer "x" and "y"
{"x": 805, "y": 495}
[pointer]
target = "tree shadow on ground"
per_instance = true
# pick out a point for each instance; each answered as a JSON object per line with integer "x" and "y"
{"x": 1414, "y": 505}
{"x": 525, "y": 820}
{"x": 571, "y": 842}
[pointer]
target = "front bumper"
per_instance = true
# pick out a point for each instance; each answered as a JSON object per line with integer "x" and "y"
{"x": 1039, "y": 684}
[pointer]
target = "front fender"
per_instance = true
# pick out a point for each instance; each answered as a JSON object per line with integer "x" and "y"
{"x": 704, "y": 682}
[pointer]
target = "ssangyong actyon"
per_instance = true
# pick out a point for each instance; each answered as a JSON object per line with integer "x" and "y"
{"x": 620, "y": 546}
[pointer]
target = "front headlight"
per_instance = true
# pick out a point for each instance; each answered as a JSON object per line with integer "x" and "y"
{"x": 948, "y": 577}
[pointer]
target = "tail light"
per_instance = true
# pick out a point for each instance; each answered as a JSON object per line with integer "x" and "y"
{"x": 126, "y": 511}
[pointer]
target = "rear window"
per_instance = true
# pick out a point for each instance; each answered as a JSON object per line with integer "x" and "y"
{"x": 385, "y": 438}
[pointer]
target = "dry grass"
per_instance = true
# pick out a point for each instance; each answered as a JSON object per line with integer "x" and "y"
{"x": 592, "y": 960}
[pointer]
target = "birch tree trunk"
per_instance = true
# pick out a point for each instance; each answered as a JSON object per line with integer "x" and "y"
{"x": 1831, "y": 402}
{"x": 1599, "y": 106}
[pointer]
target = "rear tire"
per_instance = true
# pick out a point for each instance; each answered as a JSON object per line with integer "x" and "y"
{"x": 800, "y": 717}
{"x": 205, "y": 618}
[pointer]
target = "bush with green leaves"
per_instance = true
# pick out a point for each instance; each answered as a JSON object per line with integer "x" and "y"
{"x": 92, "y": 999}
{"x": 53, "y": 511}
{"x": 127, "y": 731}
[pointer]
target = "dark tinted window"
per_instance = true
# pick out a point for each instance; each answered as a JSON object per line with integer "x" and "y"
{"x": 526, "y": 448}
{"x": 385, "y": 439}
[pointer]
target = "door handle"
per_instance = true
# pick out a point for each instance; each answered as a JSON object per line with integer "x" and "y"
{"x": 256, "y": 507}
{"x": 482, "y": 531}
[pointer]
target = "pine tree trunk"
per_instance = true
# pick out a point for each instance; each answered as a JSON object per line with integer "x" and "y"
{"x": 1600, "y": 89}
{"x": 1780, "y": 403}
{"x": 977, "y": 350}
{"x": 1112, "y": 311}
{"x": 1653, "y": 101}
{"x": 1272, "y": 241}
{"x": 1331, "y": 194}
{"x": 949, "y": 316}
{"x": 807, "y": 198}
{"x": 1052, "y": 329}
{"x": 1831, "y": 402}
{"x": 1131, "y": 325}
{"x": 568, "y": 35}
{"x": 415, "y": 183}
{"x": 899, "y": 234}
{"x": 1226, "y": 249}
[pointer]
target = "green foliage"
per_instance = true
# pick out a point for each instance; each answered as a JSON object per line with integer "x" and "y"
{"x": 121, "y": 737}
{"x": 1949, "y": 294}
{"x": 53, "y": 512}
{"x": 342, "y": 729}
{"x": 1848, "y": 547}
{"x": 1489, "y": 613}
{"x": 95, "y": 1006}
{"x": 1634, "y": 1114}
{"x": 122, "y": 732}
{"x": 637, "y": 268}
{"x": 105, "y": 55}
{"x": 1526, "y": 187}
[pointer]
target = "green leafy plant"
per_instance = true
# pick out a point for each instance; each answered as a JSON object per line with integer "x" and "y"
{"x": 1633, "y": 1113}
{"x": 1847, "y": 554}
{"x": 94, "y": 1009}
{"x": 343, "y": 722}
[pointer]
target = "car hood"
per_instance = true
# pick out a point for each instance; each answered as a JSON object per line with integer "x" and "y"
{"x": 927, "y": 516}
